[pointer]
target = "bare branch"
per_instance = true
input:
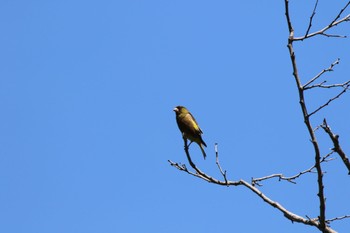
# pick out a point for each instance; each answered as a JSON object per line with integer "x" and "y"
{"x": 322, "y": 32}
{"x": 337, "y": 218}
{"x": 330, "y": 68}
{"x": 320, "y": 85}
{"x": 182, "y": 167}
{"x": 203, "y": 175}
{"x": 346, "y": 87}
{"x": 336, "y": 21}
{"x": 223, "y": 173}
{"x": 322, "y": 213}
{"x": 280, "y": 177}
{"x": 291, "y": 179}
{"x": 340, "y": 13}
{"x": 333, "y": 35}
{"x": 337, "y": 148}
{"x": 289, "y": 215}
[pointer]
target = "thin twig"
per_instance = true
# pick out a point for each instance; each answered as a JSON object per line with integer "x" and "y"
{"x": 182, "y": 167}
{"x": 346, "y": 87}
{"x": 340, "y": 13}
{"x": 337, "y": 218}
{"x": 320, "y": 85}
{"x": 202, "y": 174}
{"x": 291, "y": 179}
{"x": 311, "y": 18}
{"x": 330, "y": 68}
{"x": 336, "y": 21}
{"x": 223, "y": 173}
{"x": 323, "y": 30}
{"x": 255, "y": 181}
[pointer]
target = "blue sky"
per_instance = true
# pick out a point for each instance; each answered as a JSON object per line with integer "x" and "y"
{"x": 87, "y": 90}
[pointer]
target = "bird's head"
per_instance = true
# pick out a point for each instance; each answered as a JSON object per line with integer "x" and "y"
{"x": 180, "y": 109}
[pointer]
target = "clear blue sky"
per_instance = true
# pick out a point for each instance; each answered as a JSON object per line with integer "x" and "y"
{"x": 87, "y": 90}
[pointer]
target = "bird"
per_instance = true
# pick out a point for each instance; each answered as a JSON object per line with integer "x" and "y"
{"x": 189, "y": 127}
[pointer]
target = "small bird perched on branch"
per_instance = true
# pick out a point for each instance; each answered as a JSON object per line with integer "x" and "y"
{"x": 189, "y": 127}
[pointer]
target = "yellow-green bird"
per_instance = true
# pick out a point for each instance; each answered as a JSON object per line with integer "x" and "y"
{"x": 189, "y": 127}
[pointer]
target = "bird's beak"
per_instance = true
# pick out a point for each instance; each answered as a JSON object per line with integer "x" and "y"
{"x": 175, "y": 109}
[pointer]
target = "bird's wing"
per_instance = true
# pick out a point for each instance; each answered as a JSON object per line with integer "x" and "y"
{"x": 191, "y": 120}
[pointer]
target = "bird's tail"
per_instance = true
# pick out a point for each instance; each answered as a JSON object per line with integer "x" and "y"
{"x": 202, "y": 149}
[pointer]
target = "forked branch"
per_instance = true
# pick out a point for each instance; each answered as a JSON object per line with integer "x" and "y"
{"x": 200, "y": 174}
{"x": 345, "y": 87}
{"x": 329, "y": 69}
{"x": 291, "y": 179}
{"x": 336, "y": 21}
